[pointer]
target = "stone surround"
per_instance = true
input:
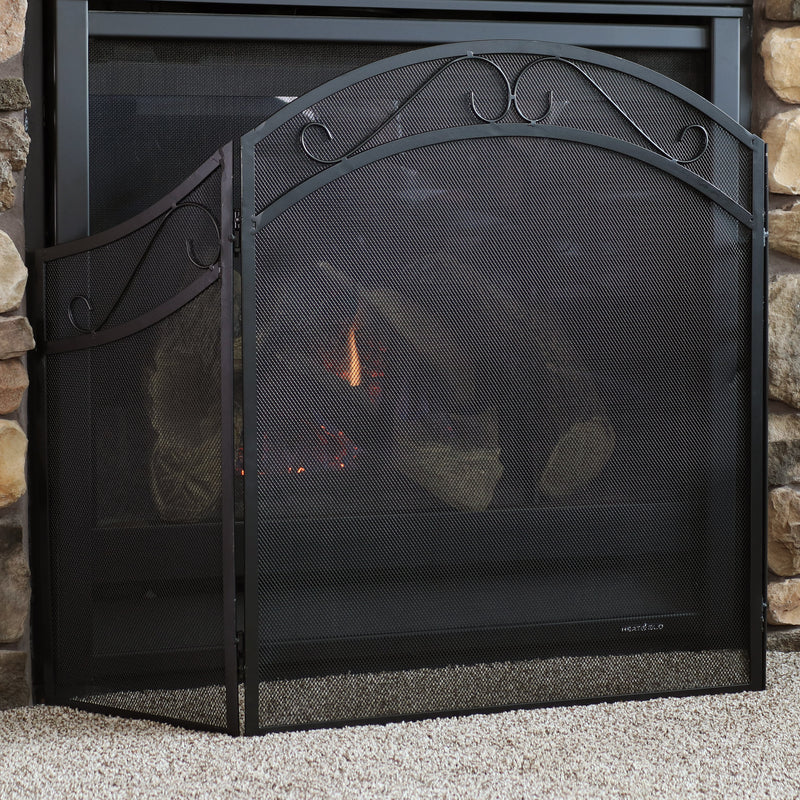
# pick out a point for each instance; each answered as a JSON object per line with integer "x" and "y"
{"x": 776, "y": 115}
{"x": 16, "y": 338}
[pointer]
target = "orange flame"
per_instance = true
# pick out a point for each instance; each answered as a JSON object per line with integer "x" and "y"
{"x": 353, "y": 372}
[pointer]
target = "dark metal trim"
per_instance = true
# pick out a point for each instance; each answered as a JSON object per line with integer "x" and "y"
{"x": 71, "y": 190}
{"x": 348, "y": 29}
{"x": 227, "y": 442}
{"x": 108, "y": 335}
{"x": 745, "y": 68}
{"x": 726, "y": 61}
{"x": 721, "y": 8}
{"x": 251, "y": 568}
{"x": 37, "y": 68}
{"x": 43, "y": 634}
{"x": 491, "y": 130}
{"x": 548, "y": 49}
{"x": 758, "y": 422}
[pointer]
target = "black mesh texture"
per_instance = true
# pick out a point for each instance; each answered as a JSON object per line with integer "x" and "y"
{"x": 159, "y": 107}
{"x": 689, "y": 67}
{"x": 294, "y": 702}
{"x": 647, "y": 116}
{"x": 502, "y": 427}
{"x": 134, "y": 476}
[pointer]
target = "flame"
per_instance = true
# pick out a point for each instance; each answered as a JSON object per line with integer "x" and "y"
{"x": 353, "y": 372}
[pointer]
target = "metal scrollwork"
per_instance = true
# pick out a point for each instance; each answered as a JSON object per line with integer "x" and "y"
{"x": 190, "y": 253}
{"x": 71, "y": 312}
{"x": 511, "y": 99}
{"x": 681, "y": 137}
{"x": 399, "y": 110}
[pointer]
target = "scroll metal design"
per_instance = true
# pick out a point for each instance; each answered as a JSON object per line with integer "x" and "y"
{"x": 190, "y": 253}
{"x": 511, "y": 99}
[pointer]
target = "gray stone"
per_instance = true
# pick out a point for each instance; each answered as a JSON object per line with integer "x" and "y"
{"x": 783, "y": 601}
{"x": 15, "y": 689}
{"x": 15, "y": 585}
{"x": 782, "y": 134}
{"x": 13, "y": 275}
{"x": 783, "y": 463}
{"x": 16, "y": 337}
{"x": 13, "y": 95}
{"x": 13, "y": 446}
{"x": 783, "y": 639}
{"x": 783, "y": 531}
{"x": 782, "y": 10}
{"x": 12, "y": 515}
{"x": 784, "y": 339}
{"x": 13, "y": 383}
{"x": 14, "y": 142}
{"x": 7, "y": 186}
{"x": 784, "y": 230}
{"x": 12, "y": 27}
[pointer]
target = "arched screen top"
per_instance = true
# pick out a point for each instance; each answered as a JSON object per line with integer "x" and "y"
{"x": 501, "y": 82}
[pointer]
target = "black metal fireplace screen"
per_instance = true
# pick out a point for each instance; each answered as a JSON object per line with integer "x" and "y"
{"x": 443, "y": 393}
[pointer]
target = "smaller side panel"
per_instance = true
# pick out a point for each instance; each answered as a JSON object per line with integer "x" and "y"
{"x": 140, "y": 559}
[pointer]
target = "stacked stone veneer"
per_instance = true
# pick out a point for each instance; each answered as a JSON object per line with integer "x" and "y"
{"x": 776, "y": 107}
{"x": 16, "y": 339}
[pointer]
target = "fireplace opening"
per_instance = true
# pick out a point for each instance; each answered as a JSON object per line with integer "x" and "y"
{"x": 438, "y": 391}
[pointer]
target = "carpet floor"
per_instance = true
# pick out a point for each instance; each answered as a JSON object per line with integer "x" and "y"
{"x": 722, "y": 746}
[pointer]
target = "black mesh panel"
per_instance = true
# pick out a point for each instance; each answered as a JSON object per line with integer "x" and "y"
{"x": 134, "y": 472}
{"x": 500, "y": 427}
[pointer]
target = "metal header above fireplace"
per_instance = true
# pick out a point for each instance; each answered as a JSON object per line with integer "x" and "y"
{"x": 133, "y": 77}
{"x": 441, "y": 390}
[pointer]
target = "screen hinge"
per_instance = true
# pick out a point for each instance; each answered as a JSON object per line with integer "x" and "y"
{"x": 240, "y": 669}
{"x": 237, "y": 232}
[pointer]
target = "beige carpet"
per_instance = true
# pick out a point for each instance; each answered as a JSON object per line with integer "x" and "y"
{"x": 723, "y": 746}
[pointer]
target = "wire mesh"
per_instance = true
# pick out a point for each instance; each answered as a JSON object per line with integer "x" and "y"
{"x": 495, "y": 384}
{"x": 135, "y": 472}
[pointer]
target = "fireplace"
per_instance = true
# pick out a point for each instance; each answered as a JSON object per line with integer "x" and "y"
{"x": 438, "y": 391}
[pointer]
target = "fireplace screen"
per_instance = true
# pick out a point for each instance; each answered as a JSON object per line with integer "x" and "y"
{"x": 494, "y": 401}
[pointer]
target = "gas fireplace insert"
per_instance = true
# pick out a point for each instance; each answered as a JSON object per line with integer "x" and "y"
{"x": 438, "y": 391}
